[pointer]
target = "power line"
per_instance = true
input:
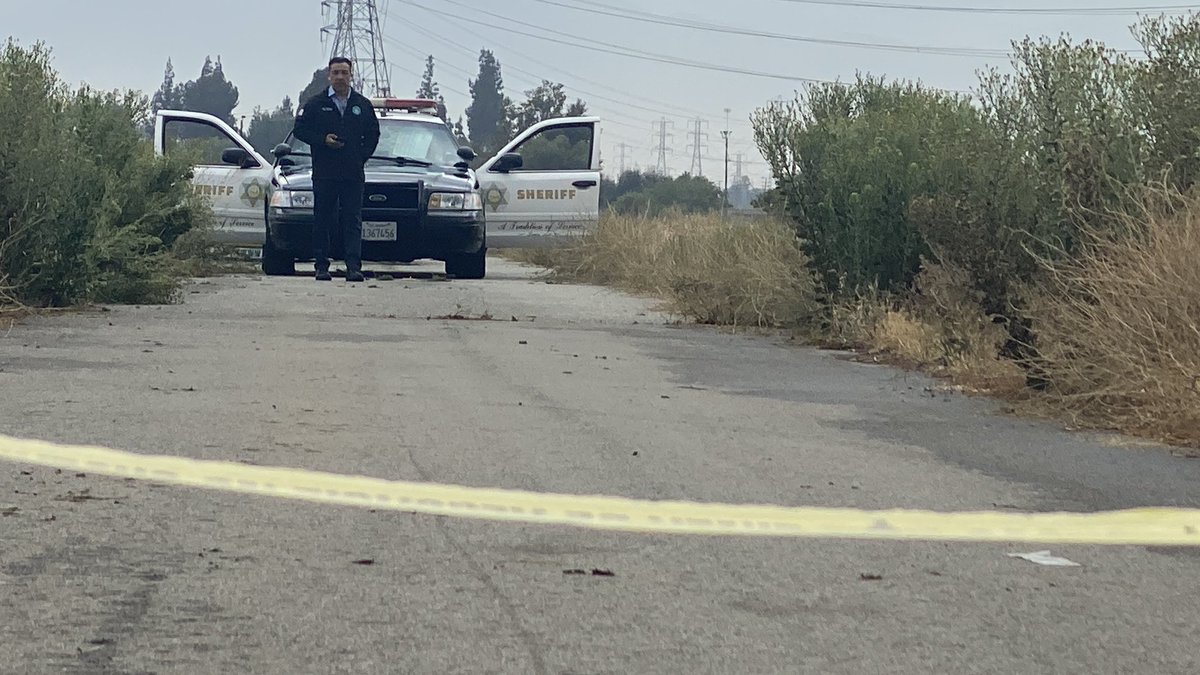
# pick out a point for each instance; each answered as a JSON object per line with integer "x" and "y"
{"x": 579, "y": 42}
{"x": 610, "y": 120}
{"x": 404, "y": 47}
{"x": 1063, "y": 11}
{"x": 620, "y": 118}
{"x": 449, "y": 66}
{"x": 574, "y": 76}
{"x": 536, "y": 79}
{"x": 623, "y": 146}
{"x": 649, "y": 17}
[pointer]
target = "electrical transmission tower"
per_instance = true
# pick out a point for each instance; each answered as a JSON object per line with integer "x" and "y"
{"x": 622, "y": 147}
{"x": 358, "y": 35}
{"x": 698, "y": 147}
{"x": 661, "y": 147}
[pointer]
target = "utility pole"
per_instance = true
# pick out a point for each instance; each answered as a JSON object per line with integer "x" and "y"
{"x": 698, "y": 147}
{"x": 358, "y": 35}
{"x": 661, "y": 146}
{"x": 725, "y": 194}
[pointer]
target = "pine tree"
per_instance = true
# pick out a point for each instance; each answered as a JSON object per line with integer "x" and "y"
{"x": 170, "y": 95}
{"x": 211, "y": 93}
{"x": 488, "y": 116}
{"x": 268, "y": 129}
{"x": 429, "y": 90}
{"x": 429, "y": 87}
{"x": 319, "y": 83}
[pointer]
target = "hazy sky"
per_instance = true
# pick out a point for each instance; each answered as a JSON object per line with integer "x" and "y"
{"x": 269, "y": 49}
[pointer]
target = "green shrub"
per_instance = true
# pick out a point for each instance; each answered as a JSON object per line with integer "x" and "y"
{"x": 848, "y": 160}
{"x": 88, "y": 213}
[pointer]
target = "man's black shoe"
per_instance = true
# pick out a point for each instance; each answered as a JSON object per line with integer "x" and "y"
{"x": 354, "y": 276}
{"x": 323, "y": 275}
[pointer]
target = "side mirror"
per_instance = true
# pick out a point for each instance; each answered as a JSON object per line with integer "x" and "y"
{"x": 467, "y": 154}
{"x": 282, "y": 150}
{"x": 237, "y": 157}
{"x": 508, "y": 162}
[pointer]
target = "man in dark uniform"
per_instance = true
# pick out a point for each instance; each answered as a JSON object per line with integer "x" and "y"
{"x": 342, "y": 129}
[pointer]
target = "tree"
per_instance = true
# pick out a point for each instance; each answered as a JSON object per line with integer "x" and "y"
{"x": 443, "y": 112}
{"x": 170, "y": 95}
{"x": 268, "y": 129}
{"x": 429, "y": 87}
{"x": 318, "y": 84}
{"x": 647, "y": 193}
{"x": 636, "y": 181}
{"x": 546, "y": 101}
{"x": 488, "y": 116}
{"x": 577, "y": 109}
{"x": 211, "y": 93}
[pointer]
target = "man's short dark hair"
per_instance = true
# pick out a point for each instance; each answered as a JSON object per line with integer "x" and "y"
{"x": 341, "y": 59}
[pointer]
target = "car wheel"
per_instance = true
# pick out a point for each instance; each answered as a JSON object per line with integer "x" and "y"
{"x": 467, "y": 265}
{"x": 276, "y": 262}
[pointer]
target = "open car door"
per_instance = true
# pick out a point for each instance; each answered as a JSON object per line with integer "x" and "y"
{"x": 543, "y": 188}
{"x": 228, "y": 172}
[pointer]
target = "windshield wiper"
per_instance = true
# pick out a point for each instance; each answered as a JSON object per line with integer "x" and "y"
{"x": 405, "y": 161}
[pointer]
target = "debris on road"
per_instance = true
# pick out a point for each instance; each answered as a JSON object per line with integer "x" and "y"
{"x": 1044, "y": 558}
{"x": 459, "y": 316}
{"x": 870, "y": 577}
{"x": 594, "y": 572}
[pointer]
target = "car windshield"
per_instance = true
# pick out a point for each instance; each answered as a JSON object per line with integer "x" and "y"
{"x": 398, "y": 137}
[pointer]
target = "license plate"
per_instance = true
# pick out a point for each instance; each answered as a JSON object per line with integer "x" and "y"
{"x": 379, "y": 232}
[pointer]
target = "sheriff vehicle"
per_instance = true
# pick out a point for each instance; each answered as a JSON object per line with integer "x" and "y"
{"x": 422, "y": 199}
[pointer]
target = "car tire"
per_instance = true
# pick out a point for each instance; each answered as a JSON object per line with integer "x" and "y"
{"x": 467, "y": 265}
{"x": 276, "y": 262}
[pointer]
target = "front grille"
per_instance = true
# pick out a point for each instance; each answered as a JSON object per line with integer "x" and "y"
{"x": 391, "y": 196}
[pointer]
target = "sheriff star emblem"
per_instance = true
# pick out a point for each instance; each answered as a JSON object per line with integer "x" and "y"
{"x": 495, "y": 197}
{"x": 253, "y": 192}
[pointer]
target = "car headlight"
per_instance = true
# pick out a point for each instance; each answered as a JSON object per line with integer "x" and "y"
{"x": 455, "y": 201}
{"x": 292, "y": 199}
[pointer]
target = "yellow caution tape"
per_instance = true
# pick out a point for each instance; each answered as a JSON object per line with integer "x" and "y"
{"x": 1147, "y": 526}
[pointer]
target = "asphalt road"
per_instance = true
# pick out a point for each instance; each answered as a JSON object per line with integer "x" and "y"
{"x": 586, "y": 391}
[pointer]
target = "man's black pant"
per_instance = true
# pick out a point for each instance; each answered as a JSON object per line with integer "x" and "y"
{"x": 337, "y": 207}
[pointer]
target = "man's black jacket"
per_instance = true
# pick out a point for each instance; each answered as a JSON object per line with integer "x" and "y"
{"x": 358, "y": 128}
